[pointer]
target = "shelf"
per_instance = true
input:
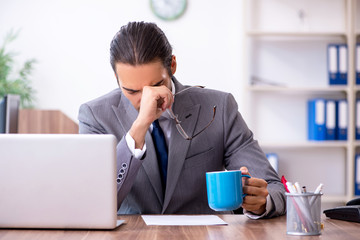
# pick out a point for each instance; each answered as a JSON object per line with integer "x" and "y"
{"x": 307, "y": 144}
{"x": 333, "y": 199}
{"x": 357, "y": 88}
{"x": 255, "y": 33}
{"x": 263, "y": 88}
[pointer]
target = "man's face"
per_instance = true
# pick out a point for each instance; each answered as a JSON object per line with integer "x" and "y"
{"x": 132, "y": 79}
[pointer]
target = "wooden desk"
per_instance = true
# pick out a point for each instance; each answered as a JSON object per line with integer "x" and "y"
{"x": 239, "y": 227}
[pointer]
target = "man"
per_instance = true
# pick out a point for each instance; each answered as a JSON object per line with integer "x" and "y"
{"x": 170, "y": 135}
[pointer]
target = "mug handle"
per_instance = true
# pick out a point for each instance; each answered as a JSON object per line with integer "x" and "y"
{"x": 248, "y": 176}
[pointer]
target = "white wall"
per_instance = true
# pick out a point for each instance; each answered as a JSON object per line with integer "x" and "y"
{"x": 70, "y": 39}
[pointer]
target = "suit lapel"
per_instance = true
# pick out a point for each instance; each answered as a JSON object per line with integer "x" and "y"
{"x": 151, "y": 167}
{"x": 126, "y": 115}
{"x": 178, "y": 146}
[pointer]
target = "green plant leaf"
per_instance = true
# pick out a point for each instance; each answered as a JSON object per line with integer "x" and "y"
{"x": 21, "y": 85}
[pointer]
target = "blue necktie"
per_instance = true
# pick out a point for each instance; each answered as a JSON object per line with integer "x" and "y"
{"x": 161, "y": 150}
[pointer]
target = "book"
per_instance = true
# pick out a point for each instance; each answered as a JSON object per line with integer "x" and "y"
{"x": 274, "y": 160}
{"x": 357, "y": 119}
{"x": 343, "y": 64}
{"x": 357, "y": 63}
{"x": 341, "y": 119}
{"x": 332, "y": 63}
{"x": 357, "y": 174}
{"x": 316, "y": 119}
{"x": 330, "y": 119}
{"x": 337, "y": 62}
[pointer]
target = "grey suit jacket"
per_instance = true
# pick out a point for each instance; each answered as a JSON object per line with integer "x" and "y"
{"x": 226, "y": 144}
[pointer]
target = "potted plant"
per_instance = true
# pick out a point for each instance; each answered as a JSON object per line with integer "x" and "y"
{"x": 15, "y": 82}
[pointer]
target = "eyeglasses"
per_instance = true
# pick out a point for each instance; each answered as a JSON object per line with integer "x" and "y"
{"x": 177, "y": 121}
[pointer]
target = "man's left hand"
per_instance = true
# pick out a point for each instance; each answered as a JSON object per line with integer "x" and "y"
{"x": 256, "y": 190}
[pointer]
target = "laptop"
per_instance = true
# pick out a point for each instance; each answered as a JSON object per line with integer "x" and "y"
{"x": 58, "y": 181}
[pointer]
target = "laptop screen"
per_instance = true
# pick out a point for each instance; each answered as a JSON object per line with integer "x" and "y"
{"x": 58, "y": 181}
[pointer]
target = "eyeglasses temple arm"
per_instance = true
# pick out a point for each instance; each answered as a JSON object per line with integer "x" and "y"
{"x": 197, "y": 86}
{"x": 214, "y": 113}
{"x": 172, "y": 115}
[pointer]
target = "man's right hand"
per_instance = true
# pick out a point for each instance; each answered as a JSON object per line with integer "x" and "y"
{"x": 154, "y": 101}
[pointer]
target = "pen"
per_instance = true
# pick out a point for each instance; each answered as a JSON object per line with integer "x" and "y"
{"x": 283, "y": 181}
{"x": 298, "y": 188}
{"x": 317, "y": 191}
{"x": 319, "y": 188}
{"x": 290, "y": 187}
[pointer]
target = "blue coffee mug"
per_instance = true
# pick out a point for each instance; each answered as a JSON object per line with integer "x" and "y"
{"x": 224, "y": 190}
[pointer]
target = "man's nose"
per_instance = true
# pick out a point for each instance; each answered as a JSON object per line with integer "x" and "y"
{"x": 139, "y": 98}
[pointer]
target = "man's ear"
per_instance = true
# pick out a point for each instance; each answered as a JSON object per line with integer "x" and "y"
{"x": 173, "y": 64}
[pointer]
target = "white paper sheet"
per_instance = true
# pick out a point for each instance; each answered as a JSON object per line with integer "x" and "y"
{"x": 182, "y": 220}
{"x": 119, "y": 222}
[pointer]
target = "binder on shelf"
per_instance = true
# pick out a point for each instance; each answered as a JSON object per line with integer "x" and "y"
{"x": 357, "y": 119}
{"x": 332, "y": 61}
{"x": 357, "y": 63}
{"x": 357, "y": 174}
{"x": 343, "y": 64}
{"x": 316, "y": 119}
{"x": 273, "y": 160}
{"x": 342, "y": 119}
{"x": 330, "y": 119}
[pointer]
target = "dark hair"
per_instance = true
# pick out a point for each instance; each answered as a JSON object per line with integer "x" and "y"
{"x": 139, "y": 43}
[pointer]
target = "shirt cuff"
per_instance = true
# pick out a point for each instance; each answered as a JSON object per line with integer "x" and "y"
{"x": 268, "y": 208}
{"x": 137, "y": 153}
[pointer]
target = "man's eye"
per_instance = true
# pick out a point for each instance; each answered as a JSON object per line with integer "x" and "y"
{"x": 159, "y": 83}
{"x": 132, "y": 93}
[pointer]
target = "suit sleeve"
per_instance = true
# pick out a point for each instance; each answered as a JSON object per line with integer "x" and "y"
{"x": 242, "y": 150}
{"x": 127, "y": 165}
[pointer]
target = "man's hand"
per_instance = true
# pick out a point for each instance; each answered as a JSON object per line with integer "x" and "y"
{"x": 154, "y": 101}
{"x": 256, "y": 190}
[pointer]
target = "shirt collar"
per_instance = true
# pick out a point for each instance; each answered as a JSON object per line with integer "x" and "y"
{"x": 172, "y": 87}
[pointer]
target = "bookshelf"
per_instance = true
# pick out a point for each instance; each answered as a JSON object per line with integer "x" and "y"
{"x": 285, "y": 64}
{"x": 296, "y": 34}
{"x": 304, "y": 144}
{"x": 297, "y": 90}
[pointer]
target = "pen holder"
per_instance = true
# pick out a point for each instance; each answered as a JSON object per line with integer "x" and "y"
{"x": 303, "y": 215}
